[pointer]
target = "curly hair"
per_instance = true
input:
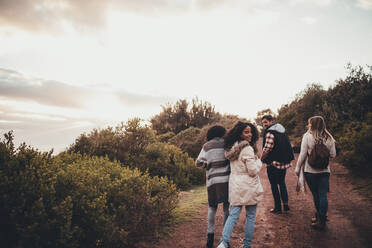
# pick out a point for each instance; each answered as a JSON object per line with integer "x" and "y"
{"x": 215, "y": 131}
{"x": 235, "y": 133}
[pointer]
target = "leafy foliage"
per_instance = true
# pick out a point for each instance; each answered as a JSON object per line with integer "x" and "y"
{"x": 161, "y": 159}
{"x": 346, "y": 108}
{"x": 356, "y": 143}
{"x": 122, "y": 143}
{"x": 189, "y": 140}
{"x": 73, "y": 200}
{"x": 179, "y": 117}
{"x": 132, "y": 144}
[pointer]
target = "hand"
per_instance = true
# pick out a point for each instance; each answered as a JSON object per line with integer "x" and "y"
{"x": 263, "y": 156}
{"x": 297, "y": 171}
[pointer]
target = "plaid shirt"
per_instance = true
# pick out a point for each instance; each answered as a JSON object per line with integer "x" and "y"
{"x": 269, "y": 145}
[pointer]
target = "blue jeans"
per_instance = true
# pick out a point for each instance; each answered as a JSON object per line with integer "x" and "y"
{"x": 319, "y": 187}
{"x": 277, "y": 178}
{"x": 250, "y": 212}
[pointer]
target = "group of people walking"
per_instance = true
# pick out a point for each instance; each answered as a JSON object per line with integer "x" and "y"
{"x": 232, "y": 164}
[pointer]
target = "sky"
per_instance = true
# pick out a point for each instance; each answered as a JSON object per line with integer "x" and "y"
{"x": 68, "y": 66}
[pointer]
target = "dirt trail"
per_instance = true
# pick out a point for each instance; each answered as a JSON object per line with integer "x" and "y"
{"x": 350, "y": 218}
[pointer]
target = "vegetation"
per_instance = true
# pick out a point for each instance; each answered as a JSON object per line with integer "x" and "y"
{"x": 72, "y": 200}
{"x": 190, "y": 203}
{"x": 347, "y": 109}
{"x": 180, "y": 117}
{"x": 136, "y": 146}
{"x": 165, "y": 160}
{"x": 116, "y": 186}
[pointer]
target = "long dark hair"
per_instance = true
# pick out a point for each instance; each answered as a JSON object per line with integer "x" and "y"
{"x": 235, "y": 133}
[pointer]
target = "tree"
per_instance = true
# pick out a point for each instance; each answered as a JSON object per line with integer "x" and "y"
{"x": 122, "y": 142}
{"x": 179, "y": 117}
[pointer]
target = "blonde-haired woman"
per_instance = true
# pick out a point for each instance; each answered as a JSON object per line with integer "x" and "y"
{"x": 317, "y": 179}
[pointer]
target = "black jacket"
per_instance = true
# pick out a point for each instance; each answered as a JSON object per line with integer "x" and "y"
{"x": 282, "y": 151}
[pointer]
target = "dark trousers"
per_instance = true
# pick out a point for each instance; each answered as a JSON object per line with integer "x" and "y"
{"x": 277, "y": 182}
{"x": 319, "y": 187}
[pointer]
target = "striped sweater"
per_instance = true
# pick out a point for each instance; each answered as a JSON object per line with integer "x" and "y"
{"x": 212, "y": 158}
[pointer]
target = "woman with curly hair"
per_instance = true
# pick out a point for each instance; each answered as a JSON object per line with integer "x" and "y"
{"x": 245, "y": 188}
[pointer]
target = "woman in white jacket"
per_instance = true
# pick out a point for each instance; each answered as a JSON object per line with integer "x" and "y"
{"x": 317, "y": 179}
{"x": 245, "y": 188}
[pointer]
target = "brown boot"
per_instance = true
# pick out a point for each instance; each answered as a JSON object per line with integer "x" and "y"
{"x": 320, "y": 223}
{"x": 315, "y": 218}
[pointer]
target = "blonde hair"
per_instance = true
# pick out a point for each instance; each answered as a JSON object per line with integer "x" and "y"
{"x": 318, "y": 128}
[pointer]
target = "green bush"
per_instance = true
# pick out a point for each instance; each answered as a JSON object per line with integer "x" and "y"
{"x": 165, "y": 137}
{"x": 355, "y": 144}
{"x": 161, "y": 159}
{"x": 346, "y": 108}
{"x": 189, "y": 140}
{"x": 73, "y": 200}
{"x": 122, "y": 142}
{"x": 180, "y": 116}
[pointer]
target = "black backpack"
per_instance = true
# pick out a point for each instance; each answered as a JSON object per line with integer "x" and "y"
{"x": 319, "y": 156}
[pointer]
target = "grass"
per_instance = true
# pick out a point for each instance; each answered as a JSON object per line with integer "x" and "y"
{"x": 191, "y": 202}
{"x": 362, "y": 180}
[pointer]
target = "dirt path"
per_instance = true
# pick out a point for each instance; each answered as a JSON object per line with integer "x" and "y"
{"x": 350, "y": 218}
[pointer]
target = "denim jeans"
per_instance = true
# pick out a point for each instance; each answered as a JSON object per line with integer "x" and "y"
{"x": 250, "y": 212}
{"x": 319, "y": 187}
{"x": 277, "y": 178}
{"x": 212, "y": 216}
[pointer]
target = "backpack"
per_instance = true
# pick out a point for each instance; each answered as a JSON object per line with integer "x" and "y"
{"x": 319, "y": 156}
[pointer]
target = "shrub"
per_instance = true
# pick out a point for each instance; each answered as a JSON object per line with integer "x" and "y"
{"x": 73, "y": 200}
{"x": 355, "y": 144}
{"x": 189, "y": 140}
{"x": 122, "y": 142}
{"x": 165, "y": 137}
{"x": 161, "y": 159}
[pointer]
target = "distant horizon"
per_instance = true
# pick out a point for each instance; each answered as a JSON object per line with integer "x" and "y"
{"x": 89, "y": 127}
{"x": 70, "y": 66}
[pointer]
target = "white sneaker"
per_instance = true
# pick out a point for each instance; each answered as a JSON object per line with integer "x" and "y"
{"x": 222, "y": 245}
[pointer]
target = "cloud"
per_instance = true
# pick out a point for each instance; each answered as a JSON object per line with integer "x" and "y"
{"x": 129, "y": 99}
{"x": 309, "y": 20}
{"x": 15, "y": 85}
{"x": 53, "y": 15}
{"x": 314, "y": 2}
{"x": 44, "y": 131}
{"x": 365, "y": 4}
{"x": 49, "y": 114}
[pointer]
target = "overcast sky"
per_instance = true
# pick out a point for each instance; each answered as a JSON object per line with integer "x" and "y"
{"x": 68, "y": 66}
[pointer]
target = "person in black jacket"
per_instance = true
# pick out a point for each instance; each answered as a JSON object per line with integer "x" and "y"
{"x": 277, "y": 154}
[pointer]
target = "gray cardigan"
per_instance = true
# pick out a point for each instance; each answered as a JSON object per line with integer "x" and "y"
{"x": 212, "y": 158}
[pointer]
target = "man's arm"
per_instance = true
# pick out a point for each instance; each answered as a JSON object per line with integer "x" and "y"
{"x": 269, "y": 145}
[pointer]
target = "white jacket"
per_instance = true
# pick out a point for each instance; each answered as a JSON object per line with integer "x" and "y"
{"x": 245, "y": 187}
{"x": 307, "y": 145}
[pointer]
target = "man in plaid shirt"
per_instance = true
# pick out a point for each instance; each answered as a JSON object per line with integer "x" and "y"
{"x": 277, "y": 154}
